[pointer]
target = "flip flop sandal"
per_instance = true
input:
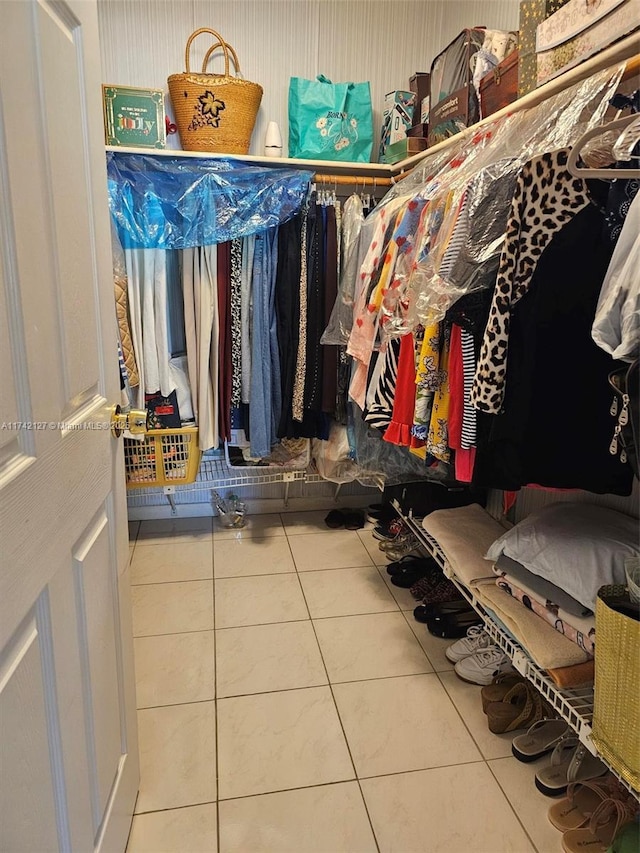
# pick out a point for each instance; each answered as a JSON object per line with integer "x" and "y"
{"x": 452, "y": 627}
{"x": 575, "y": 810}
{"x": 605, "y": 823}
{"x": 411, "y": 562}
{"x": 353, "y": 520}
{"x": 335, "y": 519}
{"x": 408, "y": 577}
{"x": 498, "y": 689}
{"x": 541, "y": 739}
{"x": 434, "y": 610}
{"x": 552, "y": 779}
{"x": 521, "y": 707}
{"x": 570, "y": 762}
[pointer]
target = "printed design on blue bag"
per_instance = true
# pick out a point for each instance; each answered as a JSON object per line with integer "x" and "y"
{"x": 207, "y": 111}
{"x": 338, "y": 130}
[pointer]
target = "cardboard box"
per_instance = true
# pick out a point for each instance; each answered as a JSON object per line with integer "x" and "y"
{"x": 579, "y": 30}
{"x": 419, "y": 85}
{"x": 397, "y": 118}
{"x": 418, "y": 131}
{"x": 133, "y": 117}
{"x": 499, "y": 87}
{"x": 532, "y": 13}
{"x": 404, "y": 148}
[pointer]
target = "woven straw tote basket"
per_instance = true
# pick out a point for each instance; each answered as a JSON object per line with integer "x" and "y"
{"x": 214, "y": 112}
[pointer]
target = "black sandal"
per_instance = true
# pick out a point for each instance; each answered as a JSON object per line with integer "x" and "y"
{"x": 410, "y": 562}
{"x": 335, "y": 519}
{"x": 452, "y": 626}
{"x": 354, "y": 520}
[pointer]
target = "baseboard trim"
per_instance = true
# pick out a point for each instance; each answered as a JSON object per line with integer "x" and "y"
{"x": 255, "y": 507}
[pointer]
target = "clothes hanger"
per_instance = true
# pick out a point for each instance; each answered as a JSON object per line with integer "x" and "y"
{"x": 627, "y": 125}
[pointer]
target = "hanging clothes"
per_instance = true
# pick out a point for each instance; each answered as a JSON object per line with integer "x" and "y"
{"x": 438, "y": 437}
{"x": 147, "y": 291}
{"x": 301, "y": 358}
{"x": 224, "y": 358}
{"x": 546, "y": 197}
{"x": 236, "y": 323}
{"x": 288, "y": 278}
{"x": 616, "y": 326}
{"x": 329, "y": 352}
{"x": 265, "y": 405}
{"x": 382, "y": 385}
{"x": 341, "y": 319}
{"x": 200, "y": 289}
{"x": 399, "y": 430}
{"x": 555, "y": 427}
{"x": 428, "y": 380}
{"x": 248, "y": 248}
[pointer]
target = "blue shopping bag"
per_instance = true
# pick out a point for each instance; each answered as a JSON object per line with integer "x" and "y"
{"x": 330, "y": 121}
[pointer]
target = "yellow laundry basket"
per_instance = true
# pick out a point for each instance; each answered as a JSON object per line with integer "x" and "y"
{"x": 164, "y": 458}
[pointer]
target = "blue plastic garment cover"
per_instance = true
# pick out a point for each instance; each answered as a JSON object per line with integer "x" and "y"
{"x": 179, "y": 203}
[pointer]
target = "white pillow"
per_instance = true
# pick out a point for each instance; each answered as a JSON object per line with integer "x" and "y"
{"x": 577, "y": 546}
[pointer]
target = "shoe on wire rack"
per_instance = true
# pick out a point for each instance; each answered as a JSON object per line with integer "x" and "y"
{"x": 405, "y": 548}
{"x": 483, "y": 666}
{"x": 380, "y": 513}
{"x": 398, "y": 541}
{"x": 389, "y": 531}
{"x": 476, "y": 639}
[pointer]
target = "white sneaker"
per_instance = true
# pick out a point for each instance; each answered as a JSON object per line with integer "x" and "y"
{"x": 483, "y": 666}
{"x": 476, "y": 639}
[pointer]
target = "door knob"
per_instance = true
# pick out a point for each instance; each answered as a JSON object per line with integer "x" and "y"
{"x": 134, "y": 421}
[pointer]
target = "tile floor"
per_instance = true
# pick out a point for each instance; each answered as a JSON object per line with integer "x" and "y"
{"x": 289, "y": 703}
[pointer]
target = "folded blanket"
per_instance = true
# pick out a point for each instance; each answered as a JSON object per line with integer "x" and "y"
{"x": 546, "y": 647}
{"x": 464, "y": 535}
{"x": 544, "y": 589}
{"x": 579, "y": 631}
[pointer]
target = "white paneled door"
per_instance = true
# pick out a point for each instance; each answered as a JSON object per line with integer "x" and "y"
{"x": 68, "y": 749}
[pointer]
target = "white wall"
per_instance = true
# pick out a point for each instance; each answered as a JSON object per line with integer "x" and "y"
{"x": 383, "y": 41}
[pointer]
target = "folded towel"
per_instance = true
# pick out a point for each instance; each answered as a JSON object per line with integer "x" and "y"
{"x": 464, "y": 535}
{"x": 579, "y": 675}
{"x": 547, "y": 648}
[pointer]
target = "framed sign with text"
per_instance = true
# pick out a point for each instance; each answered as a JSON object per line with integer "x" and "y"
{"x": 133, "y": 117}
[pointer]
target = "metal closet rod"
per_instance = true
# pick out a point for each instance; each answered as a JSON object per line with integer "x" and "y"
{"x": 351, "y": 180}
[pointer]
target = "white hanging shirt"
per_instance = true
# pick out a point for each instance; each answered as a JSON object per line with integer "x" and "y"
{"x": 616, "y": 327}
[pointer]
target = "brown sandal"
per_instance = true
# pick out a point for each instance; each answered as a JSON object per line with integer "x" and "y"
{"x": 575, "y": 810}
{"x": 498, "y": 689}
{"x": 604, "y": 825}
{"x": 521, "y": 707}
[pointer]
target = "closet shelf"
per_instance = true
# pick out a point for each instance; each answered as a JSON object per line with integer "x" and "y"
{"x": 625, "y": 50}
{"x": 574, "y": 706}
{"x": 332, "y": 166}
{"x": 216, "y": 474}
